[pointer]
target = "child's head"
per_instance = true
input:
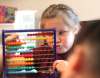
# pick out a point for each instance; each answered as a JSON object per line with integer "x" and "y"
{"x": 85, "y": 59}
{"x": 66, "y": 23}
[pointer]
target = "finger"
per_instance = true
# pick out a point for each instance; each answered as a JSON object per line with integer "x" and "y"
{"x": 55, "y": 64}
{"x": 11, "y": 37}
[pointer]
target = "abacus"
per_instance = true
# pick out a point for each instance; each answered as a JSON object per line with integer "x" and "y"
{"x": 30, "y": 52}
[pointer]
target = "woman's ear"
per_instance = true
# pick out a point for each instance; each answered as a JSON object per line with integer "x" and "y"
{"x": 76, "y": 60}
{"x": 75, "y": 63}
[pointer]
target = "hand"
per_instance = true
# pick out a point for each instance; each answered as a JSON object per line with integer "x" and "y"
{"x": 11, "y": 37}
{"x": 60, "y": 65}
{"x": 8, "y": 38}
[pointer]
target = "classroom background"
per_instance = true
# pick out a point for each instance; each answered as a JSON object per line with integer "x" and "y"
{"x": 13, "y": 10}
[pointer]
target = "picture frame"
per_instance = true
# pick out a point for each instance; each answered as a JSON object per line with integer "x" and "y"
{"x": 7, "y": 14}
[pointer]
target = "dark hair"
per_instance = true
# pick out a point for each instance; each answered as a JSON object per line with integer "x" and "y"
{"x": 62, "y": 10}
{"x": 90, "y": 35}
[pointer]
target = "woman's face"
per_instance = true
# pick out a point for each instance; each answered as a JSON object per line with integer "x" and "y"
{"x": 64, "y": 35}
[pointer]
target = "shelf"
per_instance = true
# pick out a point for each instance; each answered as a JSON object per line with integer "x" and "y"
{"x": 6, "y": 26}
{"x": 2, "y": 24}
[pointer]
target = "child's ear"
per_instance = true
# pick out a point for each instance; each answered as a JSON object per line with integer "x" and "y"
{"x": 77, "y": 59}
{"x": 77, "y": 28}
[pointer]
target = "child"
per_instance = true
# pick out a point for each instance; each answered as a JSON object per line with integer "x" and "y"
{"x": 66, "y": 23}
{"x": 84, "y": 62}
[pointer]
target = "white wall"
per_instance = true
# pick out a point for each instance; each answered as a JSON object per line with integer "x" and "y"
{"x": 86, "y": 9}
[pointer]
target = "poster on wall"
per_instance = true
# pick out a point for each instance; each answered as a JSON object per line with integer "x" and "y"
{"x": 7, "y": 14}
{"x": 25, "y": 19}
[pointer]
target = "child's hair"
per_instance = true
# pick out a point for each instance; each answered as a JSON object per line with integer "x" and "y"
{"x": 90, "y": 35}
{"x": 64, "y": 11}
